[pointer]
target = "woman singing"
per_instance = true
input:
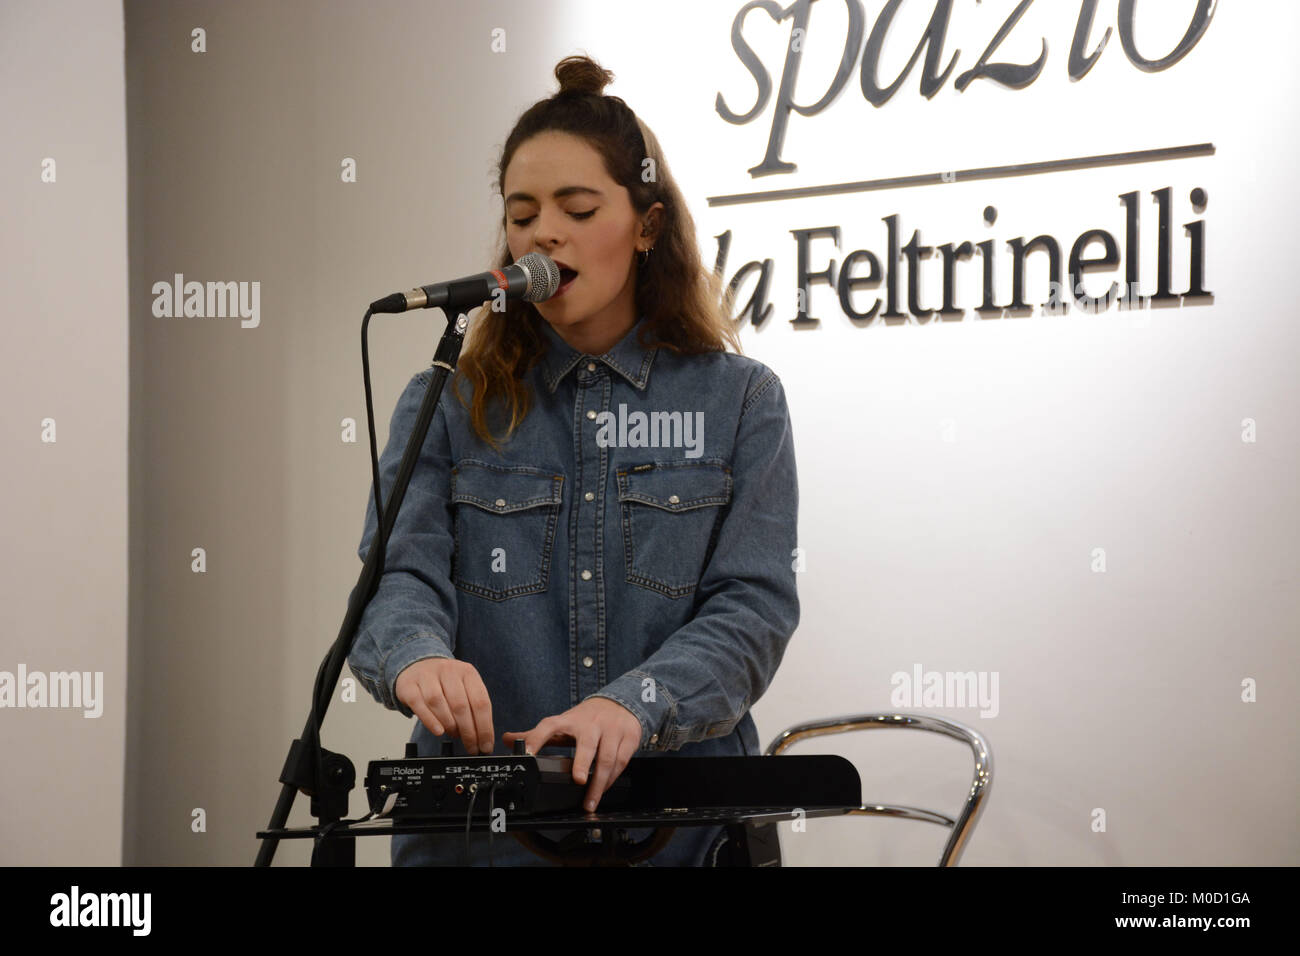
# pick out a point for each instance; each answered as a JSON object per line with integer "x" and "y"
{"x": 596, "y": 551}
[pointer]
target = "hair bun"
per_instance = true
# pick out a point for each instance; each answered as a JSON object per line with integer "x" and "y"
{"x": 581, "y": 74}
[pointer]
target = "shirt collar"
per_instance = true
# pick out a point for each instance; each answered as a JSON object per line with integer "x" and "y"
{"x": 627, "y": 358}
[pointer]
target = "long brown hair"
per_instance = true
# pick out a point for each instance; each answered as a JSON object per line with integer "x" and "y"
{"x": 682, "y": 302}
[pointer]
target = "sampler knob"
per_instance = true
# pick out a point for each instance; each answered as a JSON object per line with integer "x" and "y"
{"x": 448, "y": 748}
{"x": 412, "y": 749}
{"x": 521, "y": 748}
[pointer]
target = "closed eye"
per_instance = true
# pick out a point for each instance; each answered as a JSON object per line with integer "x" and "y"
{"x": 575, "y": 215}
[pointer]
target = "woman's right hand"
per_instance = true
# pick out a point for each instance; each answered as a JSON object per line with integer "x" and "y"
{"x": 449, "y": 697}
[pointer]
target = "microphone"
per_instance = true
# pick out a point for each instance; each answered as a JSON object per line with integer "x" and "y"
{"x": 534, "y": 277}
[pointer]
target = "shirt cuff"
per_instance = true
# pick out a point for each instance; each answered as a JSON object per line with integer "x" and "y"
{"x": 648, "y": 701}
{"x": 418, "y": 647}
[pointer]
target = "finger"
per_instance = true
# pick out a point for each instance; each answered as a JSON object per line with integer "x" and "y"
{"x": 421, "y": 710}
{"x": 454, "y": 688}
{"x": 588, "y": 739}
{"x": 436, "y": 701}
{"x": 551, "y": 730}
{"x": 481, "y": 705}
{"x": 606, "y": 757}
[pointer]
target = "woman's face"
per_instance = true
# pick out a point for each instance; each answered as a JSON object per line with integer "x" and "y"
{"x": 559, "y": 201}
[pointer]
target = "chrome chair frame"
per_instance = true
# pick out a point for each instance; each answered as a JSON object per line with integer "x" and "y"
{"x": 965, "y": 822}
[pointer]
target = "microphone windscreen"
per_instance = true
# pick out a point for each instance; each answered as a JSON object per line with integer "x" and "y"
{"x": 543, "y": 276}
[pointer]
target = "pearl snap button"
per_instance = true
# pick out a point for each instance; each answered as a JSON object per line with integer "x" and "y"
{"x": 587, "y": 662}
{"x": 591, "y": 414}
{"x": 501, "y": 502}
{"x": 590, "y": 496}
{"x": 586, "y": 575}
{"x": 673, "y": 499}
{"x": 654, "y": 738}
{"x": 591, "y": 366}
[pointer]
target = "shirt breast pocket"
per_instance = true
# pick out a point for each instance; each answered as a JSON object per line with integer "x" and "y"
{"x": 505, "y": 518}
{"x": 670, "y": 512}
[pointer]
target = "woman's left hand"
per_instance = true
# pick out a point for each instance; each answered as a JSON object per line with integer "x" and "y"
{"x": 600, "y": 729}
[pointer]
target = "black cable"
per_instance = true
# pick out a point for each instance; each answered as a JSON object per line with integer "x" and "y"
{"x": 312, "y": 738}
{"x": 492, "y": 797}
{"x": 473, "y": 795}
{"x": 370, "y": 417}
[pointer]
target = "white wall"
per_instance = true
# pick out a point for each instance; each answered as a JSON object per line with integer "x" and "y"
{"x": 63, "y": 283}
{"x": 957, "y": 478}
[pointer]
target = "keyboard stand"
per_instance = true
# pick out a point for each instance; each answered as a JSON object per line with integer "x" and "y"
{"x": 752, "y": 834}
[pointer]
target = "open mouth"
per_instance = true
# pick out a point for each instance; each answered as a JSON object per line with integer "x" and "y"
{"x": 566, "y": 279}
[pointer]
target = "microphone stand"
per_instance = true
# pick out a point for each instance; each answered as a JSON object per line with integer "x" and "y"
{"x": 325, "y": 776}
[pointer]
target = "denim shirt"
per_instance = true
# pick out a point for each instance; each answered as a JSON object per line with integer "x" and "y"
{"x": 605, "y": 552}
